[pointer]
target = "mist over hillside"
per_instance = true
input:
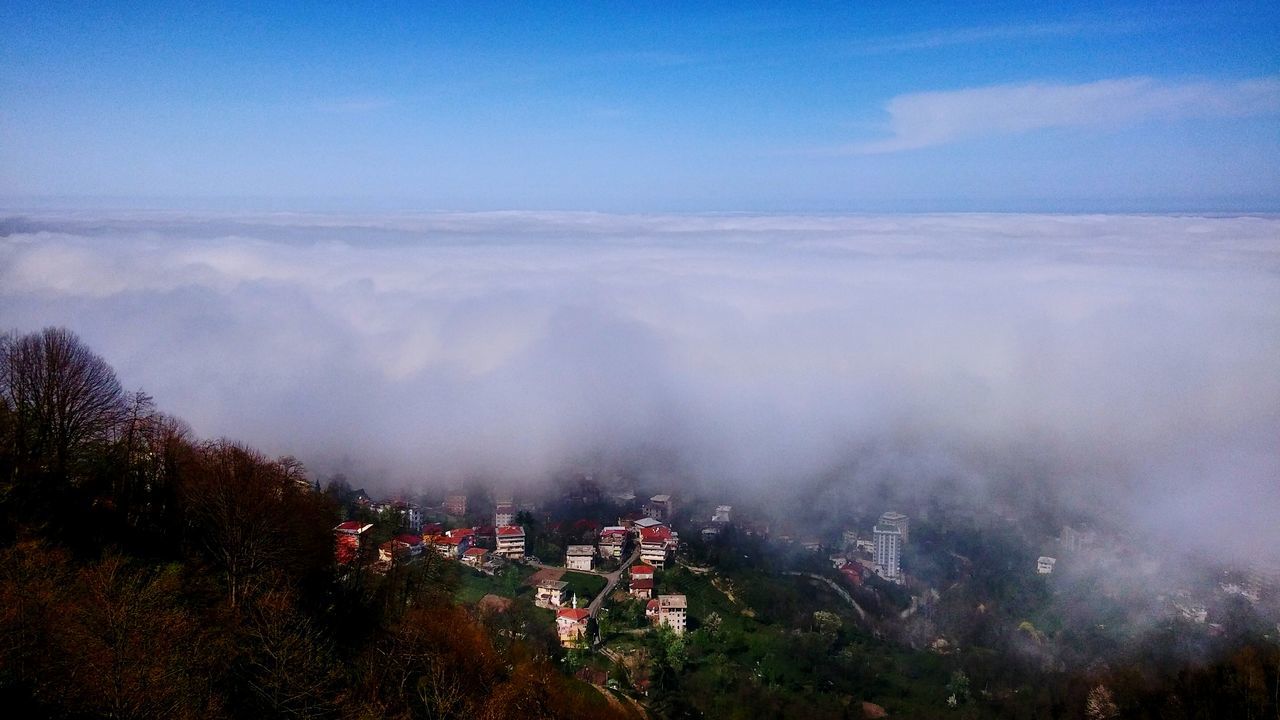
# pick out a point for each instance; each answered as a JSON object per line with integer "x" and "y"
{"x": 1120, "y": 361}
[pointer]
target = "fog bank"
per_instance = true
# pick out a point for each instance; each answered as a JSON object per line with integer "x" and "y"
{"x": 1128, "y": 360}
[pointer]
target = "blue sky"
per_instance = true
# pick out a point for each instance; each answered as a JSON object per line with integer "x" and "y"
{"x": 643, "y": 107}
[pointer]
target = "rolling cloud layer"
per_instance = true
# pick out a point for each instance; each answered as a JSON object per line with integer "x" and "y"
{"x": 1127, "y": 361}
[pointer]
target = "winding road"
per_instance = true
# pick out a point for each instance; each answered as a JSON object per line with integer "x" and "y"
{"x": 611, "y": 579}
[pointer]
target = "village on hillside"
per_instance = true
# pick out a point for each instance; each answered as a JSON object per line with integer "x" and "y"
{"x": 617, "y": 581}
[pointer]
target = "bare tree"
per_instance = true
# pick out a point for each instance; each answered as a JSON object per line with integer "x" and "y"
{"x": 60, "y": 399}
{"x": 234, "y": 497}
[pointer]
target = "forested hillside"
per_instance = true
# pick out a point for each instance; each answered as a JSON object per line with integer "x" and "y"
{"x": 148, "y": 573}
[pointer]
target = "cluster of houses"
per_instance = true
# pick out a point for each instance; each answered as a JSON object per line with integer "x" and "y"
{"x": 463, "y": 544}
{"x": 487, "y": 548}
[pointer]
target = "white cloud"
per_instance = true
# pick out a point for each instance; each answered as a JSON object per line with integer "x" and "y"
{"x": 1086, "y": 354}
{"x": 919, "y": 120}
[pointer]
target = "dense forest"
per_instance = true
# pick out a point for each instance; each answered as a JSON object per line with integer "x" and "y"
{"x": 145, "y": 573}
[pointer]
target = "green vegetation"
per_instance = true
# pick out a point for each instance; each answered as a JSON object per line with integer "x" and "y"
{"x": 585, "y": 585}
{"x": 508, "y": 582}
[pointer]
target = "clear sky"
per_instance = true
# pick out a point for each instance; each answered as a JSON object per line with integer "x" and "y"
{"x": 643, "y": 106}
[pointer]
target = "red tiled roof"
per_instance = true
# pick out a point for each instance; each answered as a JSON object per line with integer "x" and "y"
{"x": 655, "y": 534}
{"x": 574, "y": 614}
{"x": 475, "y": 551}
{"x": 408, "y": 539}
{"x": 651, "y": 605}
{"x": 510, "y": 530}
{"x": 446, "y": 540}
{"x": 642, "y": 584}
{"x": 350, "y": 525}
{"x": 460, "y": 532}
{"x": 641, "y": 569}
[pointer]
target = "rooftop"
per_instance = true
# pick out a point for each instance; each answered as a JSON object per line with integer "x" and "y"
{"x": 579, "y": 550}
{"x": 510, "y": 531}
{"x": 574, "y": 614}
{"x": 660, "y": 498}
{"x": 553, "y": 584}
{"x": 352, "y": 527}
{"x": 672, "y": 602}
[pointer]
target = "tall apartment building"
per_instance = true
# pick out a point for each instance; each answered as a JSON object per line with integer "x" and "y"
{"x": 656, "y": 545}
{"x": 510, "y": 542}
{"x": 899, "y": 521}
{"x": 671, "y": 612}
{"x": 456, "y": 505}
{"x": 504, "y": 514}
{"x": 888, "y": 552}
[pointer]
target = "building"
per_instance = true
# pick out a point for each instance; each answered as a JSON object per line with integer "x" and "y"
{"x": 571, "y": 626}
{"x": 659, "y": 508}
{"x": 579, "y": 557}
{"x": 644, "y": 523}
{"x": 849, "y": 539}
{"x": 656, "y": 545}
{"x": 671, "y": 612}
{"x": 455, "y": 505}
{"x": 898, "y": 520}
{"x": 1077, "y": 539}
{"x": 1044, "y": 564}
{"x": 722, "y": 514}
{"x": 550, "y": 594}
{"x": 510, "y": 541}
{"x": 448, "y": 547}
{"x": 461, "y": 533}
{"x": 504, "y": 514}
{"x": 641, "y": 587}
{"x": 888, "y": 552}
{"x": 475, "y": 557}
{"x": 651, "y": 610}
{"x": 410, "y": 516}
{"x": 347, "y": 540}
{"x": 641, "y": 571}
{"x": 613, "y": 540}
{"x": 411, "y": 543}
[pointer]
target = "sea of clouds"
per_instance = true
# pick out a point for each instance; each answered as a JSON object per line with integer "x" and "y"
{"x": 1132, "y": 361}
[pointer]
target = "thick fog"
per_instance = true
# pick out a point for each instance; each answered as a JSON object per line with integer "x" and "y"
{"x": 1129, "y": 361}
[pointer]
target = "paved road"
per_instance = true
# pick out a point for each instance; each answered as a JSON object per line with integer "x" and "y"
{"x": 611, "y": 581}
{"x": 839, "y": 591}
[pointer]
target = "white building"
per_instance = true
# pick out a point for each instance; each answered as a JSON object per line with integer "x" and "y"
{"x": 550, "y": 594}
{"x": 656, "y": 545}
{"x": 1077, "y": 540}
{"x": 510, "y": 541}
{"x": 579, "y": 557}
{"x": 504, "y": 514}
{"x": 722, "y": 514}
{"x": 671, "y": 612}
{"x": 888, "y": 553}
{"x": 1044, "y": 564}
{"x": 612, "y": 540}
{"x": 898, "y": 520}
